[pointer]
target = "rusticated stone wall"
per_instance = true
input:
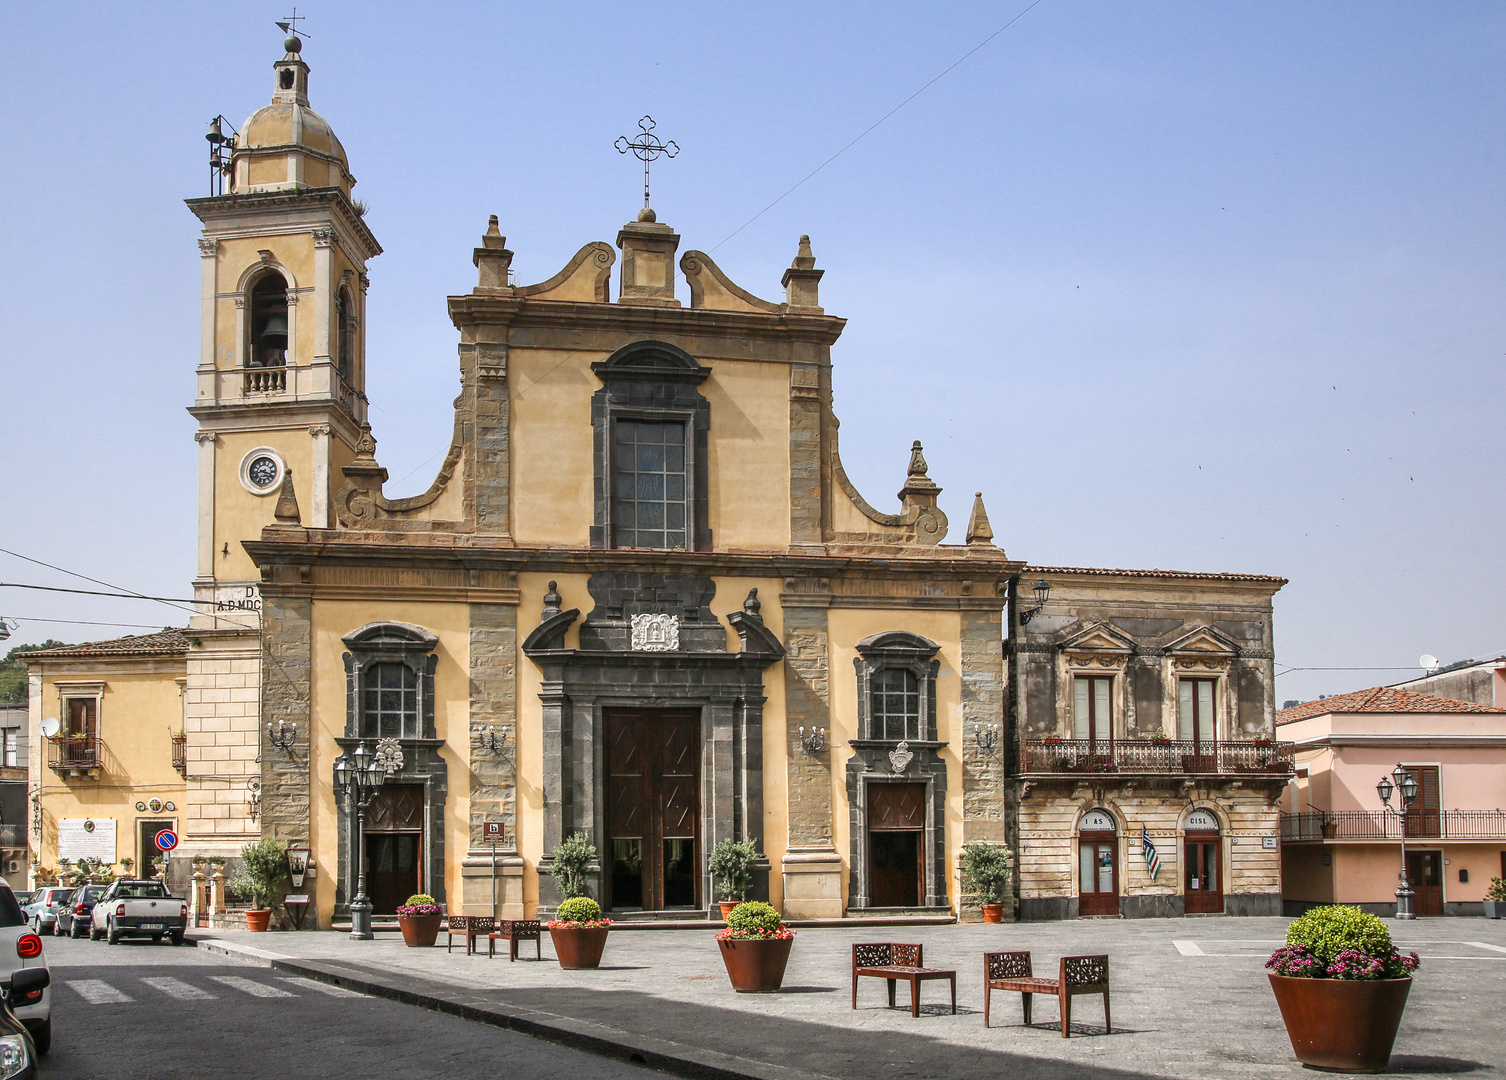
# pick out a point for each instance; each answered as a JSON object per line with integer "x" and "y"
{"x": 493, "y": 682}
{"x": 807, "y": 675}
{"x": 285, "y": 696}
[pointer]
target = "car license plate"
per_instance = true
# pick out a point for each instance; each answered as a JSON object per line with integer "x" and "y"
{"x": 151, "y": 926}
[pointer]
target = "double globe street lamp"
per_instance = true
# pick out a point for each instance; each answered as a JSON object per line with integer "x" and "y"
{"x": 1406, "y": 787}
{"x": 357, "y": 780}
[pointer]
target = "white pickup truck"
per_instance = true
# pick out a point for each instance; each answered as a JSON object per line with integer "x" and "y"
{"x": 132, "y": 908}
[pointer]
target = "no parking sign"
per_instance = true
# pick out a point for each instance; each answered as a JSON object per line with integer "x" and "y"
{"x": 166, "y": 840}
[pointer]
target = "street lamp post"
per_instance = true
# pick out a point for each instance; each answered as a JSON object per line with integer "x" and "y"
{"x": 1406, "y": 788}
{"x": 357, "y": 779}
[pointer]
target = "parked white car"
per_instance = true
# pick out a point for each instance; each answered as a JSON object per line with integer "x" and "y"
{"x": 132, "y": 908}
{"x": 21, "y": 949}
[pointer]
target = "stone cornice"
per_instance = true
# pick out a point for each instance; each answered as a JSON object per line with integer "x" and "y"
{"x": 212, "y": 209}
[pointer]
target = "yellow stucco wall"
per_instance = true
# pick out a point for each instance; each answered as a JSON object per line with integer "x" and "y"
{"x": 748, "y": 455}
{"x": 240, "y": 515}
{"x": 550, "y": 443}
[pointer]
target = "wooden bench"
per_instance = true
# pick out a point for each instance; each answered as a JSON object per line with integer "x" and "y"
{"x": 1077, "y": 975}
{"x": 469, "y": 927}
{"x": 513, "y": 931}
{"x": 894, "y": 961}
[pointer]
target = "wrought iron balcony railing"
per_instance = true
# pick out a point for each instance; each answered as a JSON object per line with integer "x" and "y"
{"x": 180, "y": 754}
{"x": 67, "y": 752}
{"x": 1379, "y": 825}
{"x": 1155, "y": 758}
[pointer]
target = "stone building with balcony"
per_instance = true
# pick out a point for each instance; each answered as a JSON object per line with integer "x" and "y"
{"x": 1141, "y": 707}
{"x": 1342, "y": 845}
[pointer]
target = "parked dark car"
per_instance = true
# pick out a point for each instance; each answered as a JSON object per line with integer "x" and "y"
{"x": 73, "y": 914}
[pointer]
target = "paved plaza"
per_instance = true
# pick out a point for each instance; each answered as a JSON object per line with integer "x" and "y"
{"x": 1190, "y": 1000}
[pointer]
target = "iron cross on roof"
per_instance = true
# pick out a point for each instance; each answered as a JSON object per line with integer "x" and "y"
{"x": 646, "y": 148}
{"x": 291, "y": 26}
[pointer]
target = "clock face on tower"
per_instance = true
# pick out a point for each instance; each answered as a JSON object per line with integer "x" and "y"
{"x": 262, "y": 471}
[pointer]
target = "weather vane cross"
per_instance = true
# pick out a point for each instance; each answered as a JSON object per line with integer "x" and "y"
{"x": 646, "y": 148}
{"x": 291, "y": 26}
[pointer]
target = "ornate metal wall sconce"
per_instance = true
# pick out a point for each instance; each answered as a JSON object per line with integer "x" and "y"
{"x": 282, "y": 736}
{"x": 987, "y": 736}
{"x": 253, "y": 798}
{"x": 1042, "y": 590}
{"x": 494, "y": 739}
{"x": 813, "y": 743}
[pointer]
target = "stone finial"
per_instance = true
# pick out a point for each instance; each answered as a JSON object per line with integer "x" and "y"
{"x": 366, "y": 445}
{"x": 801, "y": 281}
{"x": 492, "y": 260}
{"x": 918, "y": 497}
{"x": 918, "y": 466}
{"x": 552, "y": 601}
{"x": 979, "y": 531}
{"x": 286, "y": 512}
{"x": 752, "y": 605}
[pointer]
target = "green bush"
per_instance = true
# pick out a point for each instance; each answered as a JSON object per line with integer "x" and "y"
{"x": 264, "y": 865}
{"x": 985, "y": 871}
{"x": 1329, "y": 930}
{"x": 419, "y": 899}
{"x": 572, "y": 858}
{"x": 732, "y": 863}
{"x": 578, "y": 909}
{"x": 1496, "y": 894}
{"x": 753, "y": 915}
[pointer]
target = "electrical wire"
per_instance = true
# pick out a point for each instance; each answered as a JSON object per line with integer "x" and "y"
{"x": 96, "y": 592}
{"x": 85, "y": 622}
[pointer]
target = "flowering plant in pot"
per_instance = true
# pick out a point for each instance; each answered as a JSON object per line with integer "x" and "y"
{"x": 264, "y": 865}
{"x": 419, "y": 917}
{"x": 732, "y": 862}
{"x": 755, "y": 947}
{"x": 985, "y": 874}
{"x": 579, "y": 933}
{"x": 1341, "y": 987}
{"x": 1495, "y": 899}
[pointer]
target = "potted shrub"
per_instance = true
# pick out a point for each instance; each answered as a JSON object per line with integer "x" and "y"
{"x": 419, "y": 917}
{"x": 1495, "y": 899}
{"x": 985, "y": 874}
{"x": 572, "y": 862}
{"x": 264, "y": 864}
{"x": 1341, "y": 986}
{"x": 755, "y": 947}
{"x": 579, "y": 933}
{"x": 732, "y": 863}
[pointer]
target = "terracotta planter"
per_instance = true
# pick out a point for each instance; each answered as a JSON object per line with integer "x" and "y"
{"x": 1343, "y": 1024}
{"x": 993, "y": 913}
{"x": 419, "y": 931}
{"x": 257, "y": 919}
{"x": 756, "y": 965}
{"x": 727, "y": 906}
{"x": 579, "y": 947}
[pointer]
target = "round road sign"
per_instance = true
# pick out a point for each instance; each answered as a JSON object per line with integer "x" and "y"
{"x": 166, "y": 840}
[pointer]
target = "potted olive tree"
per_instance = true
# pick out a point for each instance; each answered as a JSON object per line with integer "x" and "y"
{"x": 419, "y": 917}
{"x": 264, "y": 865}
{"x": 985, "y": 874}
{"x": 578, "y": 931}
{"x": 755, "y": 947}
{"x": 1495, "y": 899}
{"x": 732, "y": 862}
{"x": 1341, "y": 986}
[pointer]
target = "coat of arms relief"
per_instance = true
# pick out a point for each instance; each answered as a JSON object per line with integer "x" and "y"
{"x": 656, "y": 633}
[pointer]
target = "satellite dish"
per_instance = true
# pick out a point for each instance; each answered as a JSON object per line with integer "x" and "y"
{"x": 50, "y": 726}
{"x": 1428, "y": 662}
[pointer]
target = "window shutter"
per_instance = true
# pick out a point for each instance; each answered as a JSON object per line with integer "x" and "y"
{"x": 1184, "y": 710}
{"x": 1080, "y": 707}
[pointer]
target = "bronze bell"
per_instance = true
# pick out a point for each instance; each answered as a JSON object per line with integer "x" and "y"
{"x": 274, "y": 334}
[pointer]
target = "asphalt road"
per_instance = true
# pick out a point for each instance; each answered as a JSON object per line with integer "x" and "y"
{"x": 139, "y": 1010}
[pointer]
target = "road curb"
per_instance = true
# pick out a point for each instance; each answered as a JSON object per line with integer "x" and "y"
{"x": 663, "y": 1055}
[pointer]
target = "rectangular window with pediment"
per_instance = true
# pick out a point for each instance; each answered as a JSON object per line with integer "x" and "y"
{"x": 1195, "y": 716}
{"x": 649, "y": 504}
{"x": 389, "y": 702}
{"x": 1092, "y": 707}
{"x": 895, "y": 704}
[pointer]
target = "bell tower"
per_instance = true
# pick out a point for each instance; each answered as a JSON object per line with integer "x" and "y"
{"x": 281, "y": 376}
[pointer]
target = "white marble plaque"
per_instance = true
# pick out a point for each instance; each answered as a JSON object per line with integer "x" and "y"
{"x": 656, "y": 633}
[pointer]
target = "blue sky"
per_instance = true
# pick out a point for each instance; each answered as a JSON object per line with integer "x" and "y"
{"x": 1181, "y": 285}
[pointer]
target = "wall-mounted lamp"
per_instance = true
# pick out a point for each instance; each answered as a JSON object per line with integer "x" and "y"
{"x": 987, "y": 736}
{"x": 813, "y": 743}
{"x": 493, "y": 739}
{"x": 253, "y": 798}
{"x": 282, "y": 736}
{"x": 6, "y": 626}
{"x": 1042, "y": 590}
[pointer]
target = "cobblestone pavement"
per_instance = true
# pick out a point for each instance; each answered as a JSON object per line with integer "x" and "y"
{"x": 1190, "y": 998}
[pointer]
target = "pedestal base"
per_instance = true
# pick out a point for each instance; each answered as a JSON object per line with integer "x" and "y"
{"x": 476, "y": 884}
{"x": 812, "y": 883}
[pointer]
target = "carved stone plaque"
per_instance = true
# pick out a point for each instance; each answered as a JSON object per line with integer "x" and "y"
{"x": 900, "y": 757}
{"x": 656, "y": 633}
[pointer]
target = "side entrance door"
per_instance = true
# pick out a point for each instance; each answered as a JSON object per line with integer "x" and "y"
{"x": 896, "y": 844}
{"x": 1098, "y": 874}
{"x": 394, "y": 846}
{"x": 653, "y": 809}
{"x": 1202, "y": 860}
{"x": 1425, "y": 875}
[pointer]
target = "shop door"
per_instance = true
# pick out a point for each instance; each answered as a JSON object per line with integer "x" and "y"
{"x": 394, "y": 846}
{"x": 653, "y": 809}
{"x": 1425, "y": 875}
{"x": 1202, "y": 865}
{"x": 1098, "y": 875}
{"x": 896, "y": 835}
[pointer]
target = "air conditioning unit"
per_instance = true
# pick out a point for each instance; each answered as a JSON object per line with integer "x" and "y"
{"x": 12, "y": 868}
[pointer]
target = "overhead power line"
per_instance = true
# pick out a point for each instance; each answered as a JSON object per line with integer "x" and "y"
{"x": 96, "y": 592}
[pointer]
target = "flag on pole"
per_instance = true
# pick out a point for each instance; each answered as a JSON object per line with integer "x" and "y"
{"x": 1152, "y": 860}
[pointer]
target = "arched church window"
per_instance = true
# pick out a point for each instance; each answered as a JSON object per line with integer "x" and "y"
{"x": 896, "y": 674}
{"x": 268, "y": 346}
{"x": 345, "y": 336}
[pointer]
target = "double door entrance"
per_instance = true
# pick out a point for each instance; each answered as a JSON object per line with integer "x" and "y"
{"x": 1202, "y": 863}
{"x": 896, "y": 845}
{"x": 1425, "y": 875}
{"x": 653, "y": 809}
{"x": 394, "y": 836}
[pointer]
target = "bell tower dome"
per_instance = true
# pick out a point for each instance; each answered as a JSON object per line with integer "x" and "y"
{"x": 281, "y": 373}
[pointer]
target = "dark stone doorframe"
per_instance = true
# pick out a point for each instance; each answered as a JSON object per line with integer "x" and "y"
{"x": 870, "y": 764}
{"x": 422, "y": 764}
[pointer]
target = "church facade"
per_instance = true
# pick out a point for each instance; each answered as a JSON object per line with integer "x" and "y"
{"x": 640, "y": 600}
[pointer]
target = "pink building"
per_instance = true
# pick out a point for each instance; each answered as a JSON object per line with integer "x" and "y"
{"x": 1340, "y": 846}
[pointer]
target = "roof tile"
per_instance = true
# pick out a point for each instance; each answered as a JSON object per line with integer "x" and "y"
{"x": 1381, "y": 699}
{"x": 162, "y": 643}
